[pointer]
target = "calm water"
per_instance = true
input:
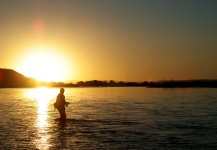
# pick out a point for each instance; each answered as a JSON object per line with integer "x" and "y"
{"x": 109, "y": 118}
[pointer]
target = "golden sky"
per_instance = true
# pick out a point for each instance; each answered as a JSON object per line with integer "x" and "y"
{"x": 109, "y": 40}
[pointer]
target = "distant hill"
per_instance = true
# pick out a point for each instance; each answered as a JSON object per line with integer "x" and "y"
{"x": 11, "y": 78}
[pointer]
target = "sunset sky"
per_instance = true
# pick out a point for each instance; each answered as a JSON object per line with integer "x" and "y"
{"x": 122, "y": 40}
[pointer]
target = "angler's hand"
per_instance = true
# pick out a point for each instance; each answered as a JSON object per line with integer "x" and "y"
{"x": 67, "y": 104}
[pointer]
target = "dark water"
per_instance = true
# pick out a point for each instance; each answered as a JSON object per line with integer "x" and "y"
{"x": 109, "y": 118}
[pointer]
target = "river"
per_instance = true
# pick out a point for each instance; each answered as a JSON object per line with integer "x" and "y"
{"x": 109, "y": 118}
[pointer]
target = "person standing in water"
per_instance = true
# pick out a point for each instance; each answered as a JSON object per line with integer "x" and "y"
{"x": 61, "y": 103}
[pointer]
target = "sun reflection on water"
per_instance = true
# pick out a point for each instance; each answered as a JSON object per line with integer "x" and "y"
{"x": 43, "y": 96}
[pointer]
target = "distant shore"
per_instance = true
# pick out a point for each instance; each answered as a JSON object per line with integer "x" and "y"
{"x": 152, "y": 84}
{"x": 12, "y": 79}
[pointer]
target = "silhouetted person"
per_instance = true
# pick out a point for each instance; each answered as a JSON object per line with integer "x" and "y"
{"x": 61, "y": 103}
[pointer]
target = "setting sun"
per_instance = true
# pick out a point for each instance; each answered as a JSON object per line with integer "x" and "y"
{"x": 44, "y": 64}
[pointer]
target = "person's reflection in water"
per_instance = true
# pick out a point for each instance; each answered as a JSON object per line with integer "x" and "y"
{"x": 60, "y": 104}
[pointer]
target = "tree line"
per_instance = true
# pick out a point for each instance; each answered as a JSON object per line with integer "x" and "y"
{"x": 157, "y": 84}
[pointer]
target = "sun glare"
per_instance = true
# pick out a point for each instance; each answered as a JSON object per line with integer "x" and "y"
{"x": 43, "y": 96}
{"x": 44, "y": 64}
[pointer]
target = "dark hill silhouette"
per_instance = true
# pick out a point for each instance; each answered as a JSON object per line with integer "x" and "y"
{"x": 11, "y": 78}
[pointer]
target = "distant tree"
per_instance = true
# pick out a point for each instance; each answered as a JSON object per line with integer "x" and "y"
{"x": 80, "y": 83}
{"x": 111, "y": 83}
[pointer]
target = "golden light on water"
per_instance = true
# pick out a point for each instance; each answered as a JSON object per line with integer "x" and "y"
{"x": 43, "y": 97}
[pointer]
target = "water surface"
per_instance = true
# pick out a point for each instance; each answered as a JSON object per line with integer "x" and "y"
{"x": 109, "y": 118}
